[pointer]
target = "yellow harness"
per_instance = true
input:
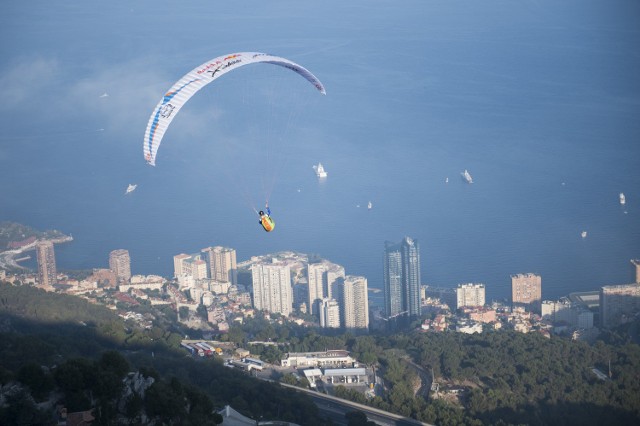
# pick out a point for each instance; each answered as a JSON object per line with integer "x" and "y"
{"x": 267, "y": 223}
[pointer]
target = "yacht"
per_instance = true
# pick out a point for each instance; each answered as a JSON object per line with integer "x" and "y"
{"x": 320, "y": 170}
{"x": 623, "y": 200}
{"x": 583, "y": 234}
{"x": 131, "y": 188}
{"x": 369, "y": 206}
{"x": 467, "y": 176}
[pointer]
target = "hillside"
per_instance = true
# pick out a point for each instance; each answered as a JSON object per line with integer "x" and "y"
{"x": 12, "y": 232}
{"x": 45, "y": 329}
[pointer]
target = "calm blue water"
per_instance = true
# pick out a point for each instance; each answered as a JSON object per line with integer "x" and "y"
{"x": 539, "y": 101}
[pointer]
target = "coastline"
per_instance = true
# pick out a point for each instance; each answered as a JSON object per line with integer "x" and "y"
{"x": 8, "y": 257}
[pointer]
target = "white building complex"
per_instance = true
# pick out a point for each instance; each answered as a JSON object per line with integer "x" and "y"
{"x": 470, "y": 295}
{"x": 272, "y": 290}
{"x": 140, "y": 282}
{"x": 331, "y": 358}
{"x": 563, "y": 312}
{"x": 189, "y": 265}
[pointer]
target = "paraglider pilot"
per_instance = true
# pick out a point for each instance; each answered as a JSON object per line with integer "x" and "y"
{"x": 265, "y": 219}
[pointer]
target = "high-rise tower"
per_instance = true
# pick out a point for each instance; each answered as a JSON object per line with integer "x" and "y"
{"x": 321, "y": 278}
{"x": 402, "y": 278}
{"x": 355, "y": 303}
{"x": 272, "y": 289}
{"x": 526, "y": 291}
{"x": 46, "y": 263}
{"x": 222, "y": 264}
{"x": 120, "y": 265}
{"x": 315, "y": 280}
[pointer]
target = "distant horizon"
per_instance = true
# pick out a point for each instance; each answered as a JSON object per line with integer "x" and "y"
{"x": 538, "y": 100}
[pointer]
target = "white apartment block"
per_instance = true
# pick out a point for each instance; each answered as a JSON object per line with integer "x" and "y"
{"x": 315, "y": 280}
{"x": 329, "y": 313}
{"x": 322, "y": 278}
{"x": 179, "y": 266}
{"x": 272, "y": 289}
{"x": 222, "y": 263}
{"x": 355, "y": 303}
{"x": 470, "y": 295}
{"x": 563, "y": 312}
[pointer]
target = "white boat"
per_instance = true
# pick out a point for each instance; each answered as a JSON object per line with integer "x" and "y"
{"x": 132, "y": 187}
{"x": 369, "y": 206}
{"x": 320, "y": 171}
{"x": 467, "y": 176}
{"x": 583, "y": 234}
{"x": 446, "y": 180}
{"x": 623, "y": 200}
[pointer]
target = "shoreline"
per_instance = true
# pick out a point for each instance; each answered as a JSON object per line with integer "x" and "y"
{"x": 8, "y": 259}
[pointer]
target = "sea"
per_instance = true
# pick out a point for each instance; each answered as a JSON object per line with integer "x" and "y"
{"x": 539, "y": 100}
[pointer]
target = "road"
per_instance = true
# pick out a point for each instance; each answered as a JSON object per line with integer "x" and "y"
{"x": 336, "y": 408}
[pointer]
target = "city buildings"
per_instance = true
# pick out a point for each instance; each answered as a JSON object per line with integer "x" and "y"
{"x": 470, "y": 295}
{"x": 618, "y": 304}
{"x": 180, "y": 266}
{"x": 222, "y": 263}
{"x": 526, "y": 291}
{"x": 120, "y": 264}
{"x": 315, "y": 279}
{"x": 46, "y": 263}
{"x": 335, "y": 275}
{"x": 331, "y": 358}
{"x": 354, "y": 301}
{"x": 565, "y": 312}
{"x": 272, "y": 289}
{"x": 189, "y": 265}
{"x": 199, "y": 269}
{"x": 402, "y": 278}
{"x": 140, "y": 282}
{"x": 322, "y": 277}
{"x": 329, "y": 311}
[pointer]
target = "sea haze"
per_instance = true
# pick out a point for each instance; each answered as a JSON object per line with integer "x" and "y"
{"x": 538, "y": 100}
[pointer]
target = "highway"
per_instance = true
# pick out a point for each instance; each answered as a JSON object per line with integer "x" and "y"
{"x": 336, "y": 408}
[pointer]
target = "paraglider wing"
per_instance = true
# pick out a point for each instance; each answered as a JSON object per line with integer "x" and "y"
{"x": 195, "y": 80}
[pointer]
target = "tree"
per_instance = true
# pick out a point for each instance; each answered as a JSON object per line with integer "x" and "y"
{"x": 39, "y": 382}
{"x": 20, "y": 409}
{"x": 114, "y": 362}
{"x": 358, "y": 418}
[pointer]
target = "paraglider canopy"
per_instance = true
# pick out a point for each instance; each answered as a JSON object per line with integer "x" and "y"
{"x": 196, "y": 79}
